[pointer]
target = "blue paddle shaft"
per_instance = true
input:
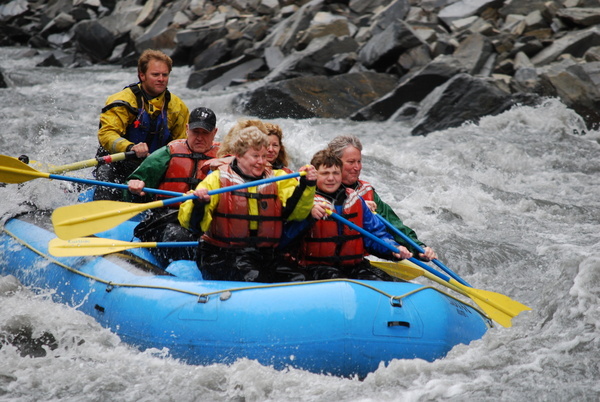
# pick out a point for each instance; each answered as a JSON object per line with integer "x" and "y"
{"x": 389, "y": 246}
{"x": 108, "y": 184}
{"x": 233, "y": 188}
{"x": 420, "y": 250}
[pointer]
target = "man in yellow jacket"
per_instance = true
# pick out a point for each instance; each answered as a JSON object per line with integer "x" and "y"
{"x": 143, "y": 117}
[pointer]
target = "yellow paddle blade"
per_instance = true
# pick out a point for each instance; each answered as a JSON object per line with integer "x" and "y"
{"x": 404, "y": 270}
{"x": 497, "y": 306}
{"x": 13, "y": 171}
{"x": 85, "y": 246}
{"x": 93, "y": 217}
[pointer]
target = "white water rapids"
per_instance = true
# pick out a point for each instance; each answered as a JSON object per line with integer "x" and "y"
{"x": 512, "y": 204}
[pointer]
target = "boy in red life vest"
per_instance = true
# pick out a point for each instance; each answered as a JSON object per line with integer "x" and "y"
{"x": 349, "y": 149}
{"x": 330, "y": 249}
{"x": 175, "y": 167}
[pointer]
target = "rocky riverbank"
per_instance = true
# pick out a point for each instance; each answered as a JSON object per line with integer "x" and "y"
{"x": 432, "y": 63}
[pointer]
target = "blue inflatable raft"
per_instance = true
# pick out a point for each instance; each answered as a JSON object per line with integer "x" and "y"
{"x": 338, "y": 327}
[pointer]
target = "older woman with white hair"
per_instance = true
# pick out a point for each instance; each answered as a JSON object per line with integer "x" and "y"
{"x": 242, "y": 228}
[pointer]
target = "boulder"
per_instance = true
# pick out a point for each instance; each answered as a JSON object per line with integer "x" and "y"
{"x": 318, "y": 96}
{"x": 461, "y": 99}
{"x": 578, "y": 86}
{"x": 313, "y": 59}
{"x": 94, "y": 40}
{"x": 575, "y": 43}
{"x": 383, "y": 49}
{"x": 413, "y": 88}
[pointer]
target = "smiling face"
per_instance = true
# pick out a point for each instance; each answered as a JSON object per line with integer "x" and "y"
{"x": 329, "y": 179}
{"x": 253, "y": 161}
{"x": 352, "y": 160}
{"x": 273, "y": 148}
{"x": 200, "y": 140}
{"x": 156, "y": 78}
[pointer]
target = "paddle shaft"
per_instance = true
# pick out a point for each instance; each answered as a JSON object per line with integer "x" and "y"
{"x": 485, "y": 299}
{"x": 127, "y": 210}
{"x": 88, "y": 246}
{"x": 233, "y": 188}
{"x": 100, "y": 160}
{"x": 420, "y": 250}
{"x": 385, "y": 244}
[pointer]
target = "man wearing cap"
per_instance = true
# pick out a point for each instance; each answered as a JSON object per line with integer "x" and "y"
{"x": 175, "y": 167}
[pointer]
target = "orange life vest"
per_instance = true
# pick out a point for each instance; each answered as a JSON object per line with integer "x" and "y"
{"x": 365, "y": 190}
{"x": 330, "y": 242}
{"x": 184, "y": 170}
{"x": 230, "y": 225}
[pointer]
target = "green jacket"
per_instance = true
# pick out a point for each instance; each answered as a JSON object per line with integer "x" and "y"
{"x": 388, "y": 214}
{"x": 151, "y": 171}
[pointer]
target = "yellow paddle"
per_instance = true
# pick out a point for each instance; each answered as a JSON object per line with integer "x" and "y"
{"x": 12, "y": 170}
{"x": 498, "y": 307}
{"x": 403, "y": 269}
{"x": 85, "y": 246}
{"x": 100, "y": 160}
{"x": 97, "y": 216}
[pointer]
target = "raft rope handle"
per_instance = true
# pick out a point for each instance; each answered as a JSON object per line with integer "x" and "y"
{"x": 395, "y": 301}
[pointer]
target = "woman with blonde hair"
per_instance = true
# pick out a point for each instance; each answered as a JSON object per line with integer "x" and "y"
{"x": 241, "y": 229}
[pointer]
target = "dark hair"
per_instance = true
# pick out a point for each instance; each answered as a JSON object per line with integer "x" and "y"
{"x": 327, "y": 159}
{"x": 150, "y": 54}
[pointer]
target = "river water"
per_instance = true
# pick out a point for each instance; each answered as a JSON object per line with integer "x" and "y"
{"x": 512, "y": 204}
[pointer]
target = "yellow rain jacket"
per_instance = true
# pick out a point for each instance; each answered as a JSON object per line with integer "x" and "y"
{"x": 114, "y": 121}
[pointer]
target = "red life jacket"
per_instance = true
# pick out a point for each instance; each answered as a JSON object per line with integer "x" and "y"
{"x": 230, "y": 225}
{"x": 365, "y": 190}
{"x": 184, "y": 170}
{"x": 330, "y": 242}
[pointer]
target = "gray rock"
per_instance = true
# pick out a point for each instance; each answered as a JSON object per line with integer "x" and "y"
{"x": 320, "y": 96}
{"x": 13, "y": 9}
{"x": 273, "y": 56}
{"x": 473, "y": 52}
{"x": 199, "y": 78}
{"x": 462, "y": 98}
{"x": 284, "y": 34}
{"x": 312, "y": 60}
{"x": 578, "y": 85}
{"x": 581, "y": 16}
{"x": 216, "y": 53}
{"x": 341, "y": 63}
{"x": 412, "y": 88}
{"x": 396, "y": 11}
{"x": 94, "y": 40}
{"x": 383, "y": 49}
{"x": 238, "y": 75}
{"x": 466, "y": 8}
{"x": 574, "y": 43}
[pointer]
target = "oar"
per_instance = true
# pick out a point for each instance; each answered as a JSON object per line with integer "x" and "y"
{"x": 403, "y": 269}
{"x": 85, "y": 246}
{"x": 420, "y": 250}
{"x": 13, "y": 170}
{"x": 97, "y": 216}
{"x": 100, "y": 160}
{"x": 497, "y": 306}
{"x": 408, "y": 270}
